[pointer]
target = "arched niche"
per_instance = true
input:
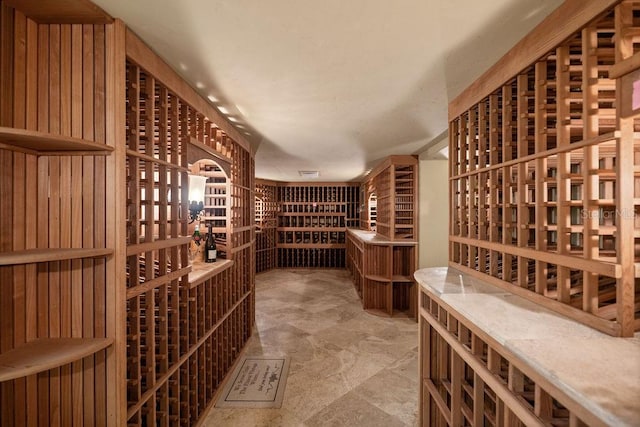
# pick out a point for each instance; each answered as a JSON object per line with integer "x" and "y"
{"x": 216, "y": 204}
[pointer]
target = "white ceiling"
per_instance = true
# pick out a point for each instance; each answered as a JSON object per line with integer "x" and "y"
{"x": 332, "y": 85}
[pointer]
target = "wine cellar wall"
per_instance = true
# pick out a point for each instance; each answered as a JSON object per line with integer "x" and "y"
{"x": 183, "y": 335}
{"x": 545, "y": 175}
{"x": 312, "y": 223}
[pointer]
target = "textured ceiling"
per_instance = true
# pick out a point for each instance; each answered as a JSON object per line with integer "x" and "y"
{"x": 331, "y": 85}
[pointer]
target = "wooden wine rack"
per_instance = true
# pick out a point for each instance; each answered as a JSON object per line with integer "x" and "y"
{"x": 490, "y": 358}
{"x": 266, "y": 224}
{"x": 393, "y": 183}
{"x": 184, "y": 330}
{"x": 382, "y": 273}
{"x": 545, "y": 169}
{"x": 312, "y": 223}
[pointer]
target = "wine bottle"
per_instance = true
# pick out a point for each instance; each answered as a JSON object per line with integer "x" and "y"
{"x": 210, "y": 247}
{"x": 196, "y": 235}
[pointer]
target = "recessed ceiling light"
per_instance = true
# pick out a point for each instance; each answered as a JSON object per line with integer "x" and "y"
{"x": 199, "y": 85}
{"x": 247, "y": 133}
{"x": 309, "y": 174}
{"x": 223, "y": 110}
{"x": 241, "y": 110}
{"x": 212, "y": 98}
{"x": 233, "y": 119}
{"x": 238, "y": 125}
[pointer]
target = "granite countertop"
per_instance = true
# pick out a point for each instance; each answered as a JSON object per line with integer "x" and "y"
{"x": 597, "y": 370}
{"x": 371, "y": 238}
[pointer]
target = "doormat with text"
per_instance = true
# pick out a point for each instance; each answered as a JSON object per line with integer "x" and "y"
{"x": 257, "y": 382}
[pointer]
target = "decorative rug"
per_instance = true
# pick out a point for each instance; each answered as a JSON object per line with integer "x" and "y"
{"x": 257, "y": 382}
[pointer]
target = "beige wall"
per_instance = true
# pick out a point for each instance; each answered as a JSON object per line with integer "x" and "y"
{"x": 434, "y": 212}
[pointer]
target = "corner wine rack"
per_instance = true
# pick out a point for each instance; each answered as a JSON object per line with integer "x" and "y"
{"x": 57, "y": 272}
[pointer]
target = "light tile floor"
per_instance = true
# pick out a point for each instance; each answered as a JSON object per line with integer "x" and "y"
{"x": 348, "y": 367}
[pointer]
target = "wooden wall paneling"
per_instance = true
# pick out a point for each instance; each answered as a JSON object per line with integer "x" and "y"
{"x": 7, "y": 396}
{"x": 19, "y": 204}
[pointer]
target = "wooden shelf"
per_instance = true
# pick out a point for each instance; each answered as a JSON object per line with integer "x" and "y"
{"x": 403, "y": 279}
{"x": 377, "y": 278}
{"x": 30, "y": 256}
{"x": 314, "y": 229}
{"x": 311, "y": 245}
{"x": 201, "y": 271}
{"x": 47, "y": 353}
{"x": 41, "y": 143}
{"x": 312, "y": 214}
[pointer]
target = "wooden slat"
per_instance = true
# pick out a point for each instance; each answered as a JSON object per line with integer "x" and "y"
{"x": 115, "y": 175}
{"x": 157, "y": 245}
{"x": 19, "y": 203}
{"x": 66, "y": 307}
{"x": 88, "y": 203}
{"x": 625, "y": 286}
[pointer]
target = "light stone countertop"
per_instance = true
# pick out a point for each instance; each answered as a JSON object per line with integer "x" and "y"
{"x": 371, "y": 238}
{"x": 597, "y": 370}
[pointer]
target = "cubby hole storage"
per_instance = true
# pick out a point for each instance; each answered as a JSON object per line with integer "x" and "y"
{"x": 471, "y": 379}
{"x": 186, "y": 321}
{"x": 545, "y": 177}
{"x": 312, "y": 221}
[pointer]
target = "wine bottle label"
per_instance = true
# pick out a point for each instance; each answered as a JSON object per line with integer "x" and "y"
{"x": 211, "y": 254}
